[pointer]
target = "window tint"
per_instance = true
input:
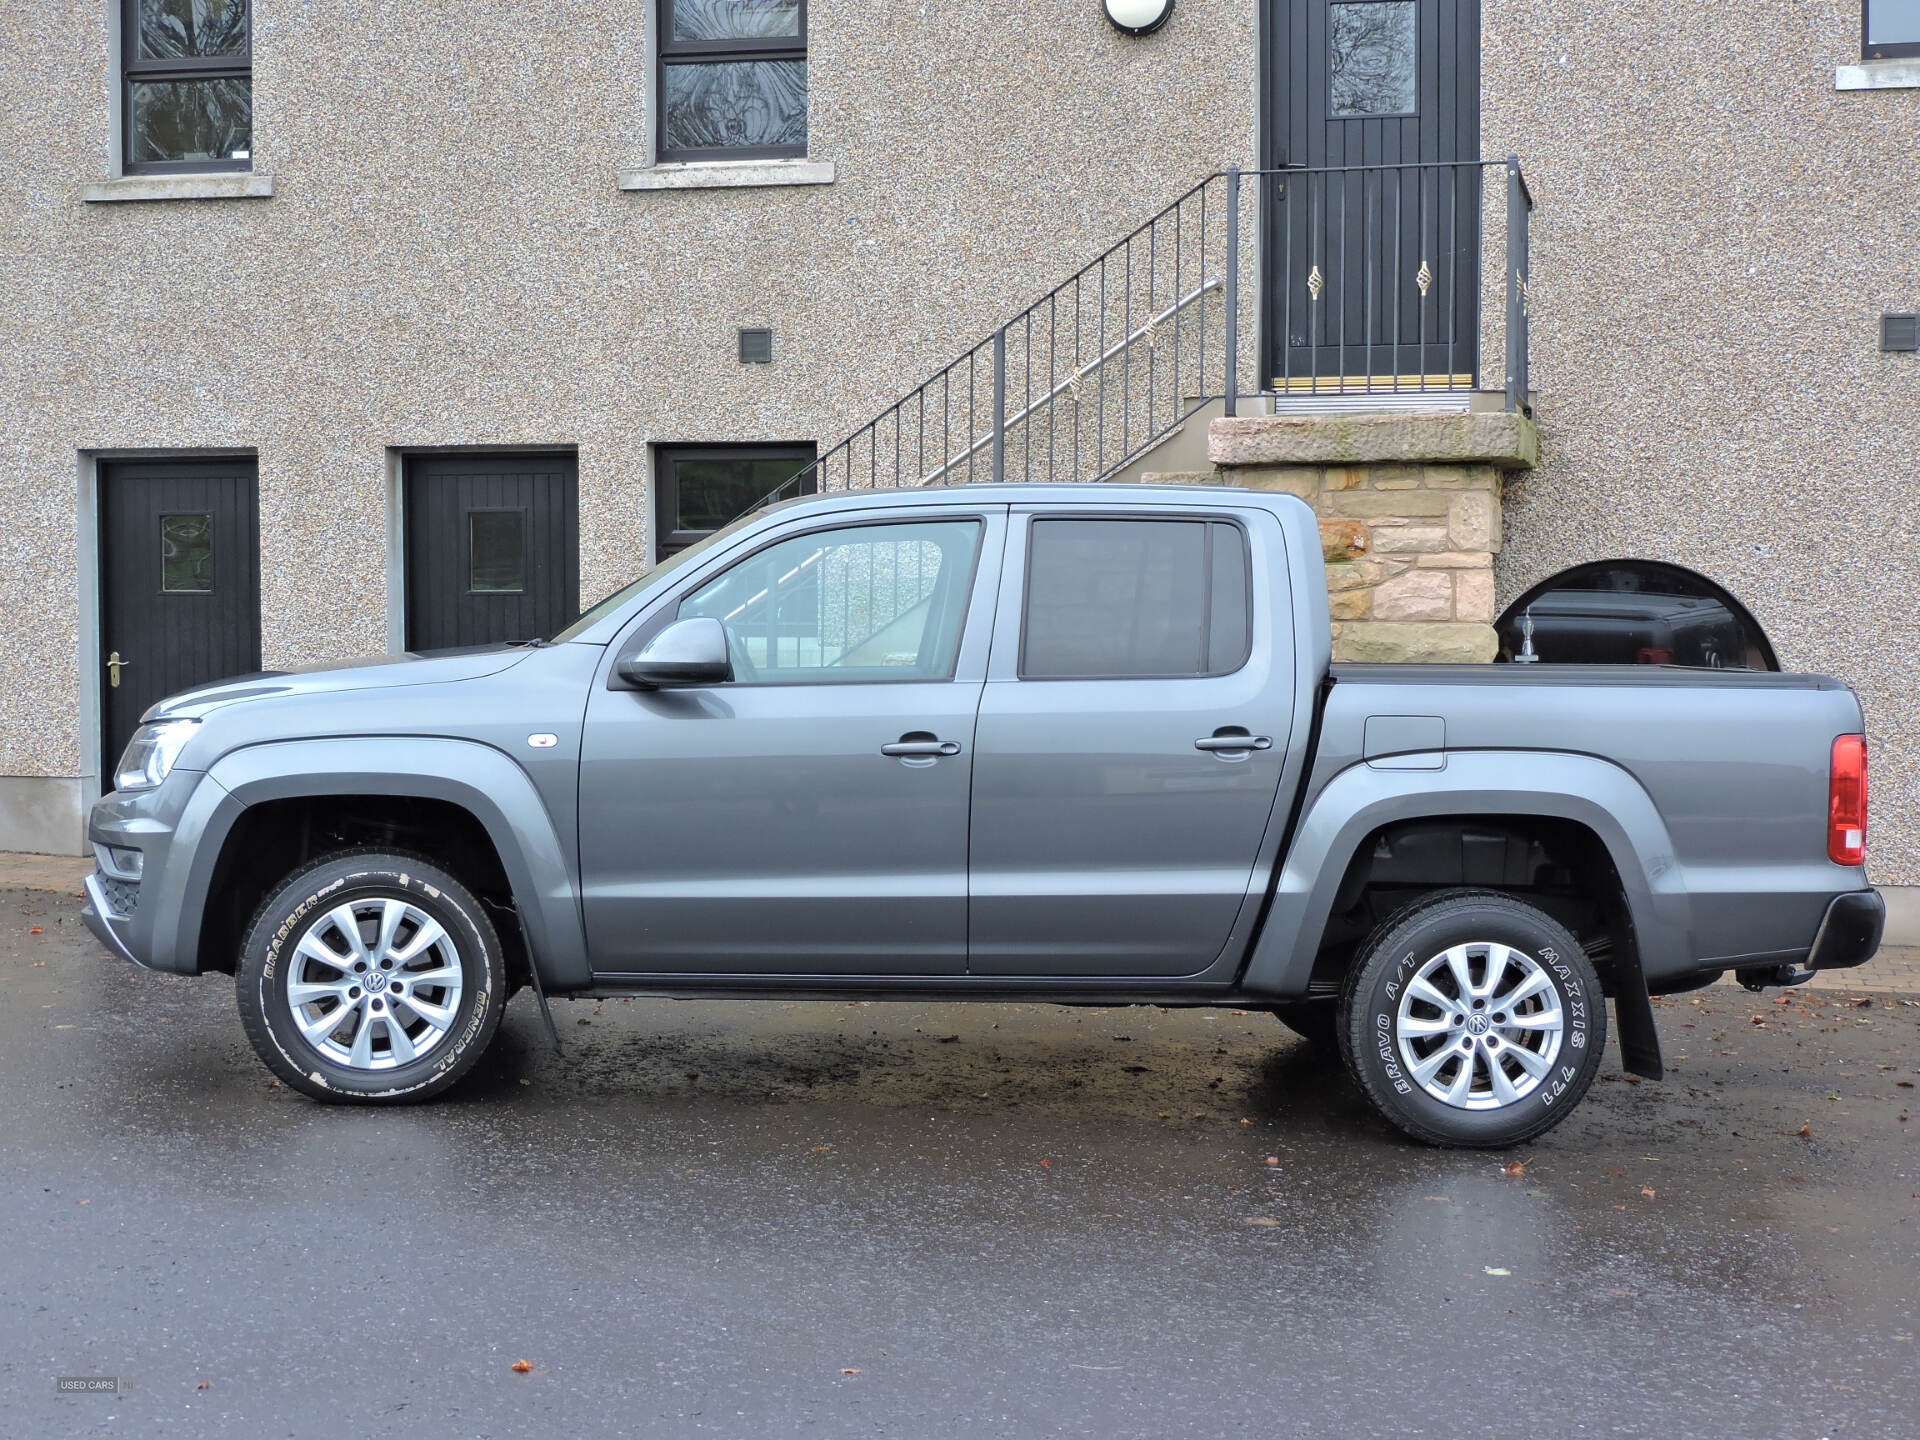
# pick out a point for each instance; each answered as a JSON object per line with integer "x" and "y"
{"x": 1135, "y": 599}
{"x": 870, "y": 602}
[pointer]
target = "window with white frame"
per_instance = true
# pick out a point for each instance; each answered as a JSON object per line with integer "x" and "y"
{"x": 732, "y": 82}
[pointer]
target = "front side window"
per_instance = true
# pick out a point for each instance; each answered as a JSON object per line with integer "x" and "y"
{"x": 733, "y": 79}
{"x": 1135, "y": 600}
{"x": 868, "y": 602}
{"x": 187, "y": 70}
{"x": 1889, "y": 29}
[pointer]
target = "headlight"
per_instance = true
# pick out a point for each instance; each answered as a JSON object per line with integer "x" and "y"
{"x": 151, "y": 753}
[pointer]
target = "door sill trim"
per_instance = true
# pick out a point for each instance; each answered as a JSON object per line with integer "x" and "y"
{"x": 1053, "y": 989}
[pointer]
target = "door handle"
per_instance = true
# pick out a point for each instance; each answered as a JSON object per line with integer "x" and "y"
{"x": 114, "y": 666}
{"x": 918, "y": 745}
{"x": 1242, "y": 741}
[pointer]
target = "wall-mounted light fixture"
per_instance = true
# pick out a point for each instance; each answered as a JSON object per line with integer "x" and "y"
{"x": 1138, "y": 17}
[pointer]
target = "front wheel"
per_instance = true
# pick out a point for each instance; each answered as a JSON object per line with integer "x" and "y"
{"x": 1472, "y": 1019}
{"x": 370, "y": 977}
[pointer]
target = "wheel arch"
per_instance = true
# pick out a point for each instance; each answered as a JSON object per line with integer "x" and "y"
{"x": 1523, "y": 789}
{"x": 469, "y": 798}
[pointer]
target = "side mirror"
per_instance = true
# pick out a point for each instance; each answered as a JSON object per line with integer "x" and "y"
{"x": 687, "y": 652}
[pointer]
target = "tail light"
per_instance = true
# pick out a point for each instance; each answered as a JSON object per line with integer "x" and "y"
{"x": 1847, "y": 801}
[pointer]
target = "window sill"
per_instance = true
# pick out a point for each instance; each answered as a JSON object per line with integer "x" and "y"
{"x": 725, "y": 174}
{"x": 1878, "y": 75}
{"x": 228, "y": 185}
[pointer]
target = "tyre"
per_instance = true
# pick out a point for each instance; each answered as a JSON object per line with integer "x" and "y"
{"x": 1314, "y": 1021}
{"x": 372, "y": 978}
{"x": 1472, "y": 1019}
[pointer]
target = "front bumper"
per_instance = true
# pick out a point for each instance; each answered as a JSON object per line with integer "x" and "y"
{"x": 96, "y": 914}
{"x": 1849, "y": 935}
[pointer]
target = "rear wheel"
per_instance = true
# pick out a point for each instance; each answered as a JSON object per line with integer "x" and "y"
{"x": 1472, "y": 1019}
{"x": 371, "y": 977}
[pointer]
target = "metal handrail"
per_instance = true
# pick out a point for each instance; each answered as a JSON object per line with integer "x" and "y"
{"x": 1192, "y": 249}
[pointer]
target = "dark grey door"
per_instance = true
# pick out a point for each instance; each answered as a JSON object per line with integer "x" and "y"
{"x": 179, "y": 584}
{"x": 492, "y": 548}
{"x": 773, "y": 825}
{"x": 1115, "y": 816}
{"x": 1371, "y": 251}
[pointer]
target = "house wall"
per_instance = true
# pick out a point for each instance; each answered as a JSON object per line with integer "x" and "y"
{"x": 447, "y": 260}
{"x": 1718, "y": 231}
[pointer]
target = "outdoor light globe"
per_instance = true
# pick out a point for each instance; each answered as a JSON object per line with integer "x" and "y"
{"x": 1138, "y": 17}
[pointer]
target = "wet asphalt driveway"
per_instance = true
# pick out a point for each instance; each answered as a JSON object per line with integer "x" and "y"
{"x": 759, "y": 1219}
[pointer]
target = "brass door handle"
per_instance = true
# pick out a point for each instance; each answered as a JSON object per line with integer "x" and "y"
{"x": 114, "y": 666}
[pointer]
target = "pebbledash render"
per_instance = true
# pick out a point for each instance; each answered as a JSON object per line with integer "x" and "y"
{"x": 534, "y": 240}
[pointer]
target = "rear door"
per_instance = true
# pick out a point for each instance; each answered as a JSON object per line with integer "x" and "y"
{"x": 1137, "y": 708}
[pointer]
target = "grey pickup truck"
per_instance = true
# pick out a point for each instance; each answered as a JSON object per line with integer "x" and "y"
{"x": 1073, "y": 744}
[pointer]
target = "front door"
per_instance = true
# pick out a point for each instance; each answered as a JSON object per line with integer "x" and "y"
{"x": 492, "y": 548}
{"x": 809, "y": 817}
{"x": 1116, "y": 813}
{"x": 1371, "y": 251}
{"x": 179, "y": 585}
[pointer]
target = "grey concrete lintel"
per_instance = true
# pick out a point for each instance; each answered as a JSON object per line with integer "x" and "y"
{"x": 726, "y": 174}
{"x": 242, "y": 185}
{"x": 1501, "y": 438}
{"x": 1878, "y": 75}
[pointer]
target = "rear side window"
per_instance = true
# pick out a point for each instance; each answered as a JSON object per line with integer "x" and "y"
{"x": 1135, "y": 599}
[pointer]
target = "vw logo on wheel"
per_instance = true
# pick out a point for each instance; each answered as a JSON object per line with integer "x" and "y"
{"x": 1476, "y": 1024}
{"x": 377, "y": 981}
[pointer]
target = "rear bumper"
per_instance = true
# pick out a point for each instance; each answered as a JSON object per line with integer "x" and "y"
{"x": 1851, "y": 931}
{"x": 1849, "y": 935}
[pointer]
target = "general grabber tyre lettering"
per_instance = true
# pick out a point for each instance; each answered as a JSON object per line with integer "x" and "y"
{"x": 371, "y": 977}
{"x": 1472, "y": 1019}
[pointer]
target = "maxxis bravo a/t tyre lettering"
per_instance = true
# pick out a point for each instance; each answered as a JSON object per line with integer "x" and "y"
{"x": 1472, "y": 1019}
{"x": 371, "y": 977}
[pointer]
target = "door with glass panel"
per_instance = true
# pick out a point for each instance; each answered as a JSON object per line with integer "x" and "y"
{"x": 1132, "y": 730}
{"x": 1372, "y": 245}
{"x": 179, "y": 585}
{"x": 492, "y": 548}
{"x": 809, "y": 815}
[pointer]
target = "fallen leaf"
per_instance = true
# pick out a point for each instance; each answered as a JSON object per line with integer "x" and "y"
{"x": 1514, "y": 1169}
{"x": 848, "y": 1370}
{"x": 525, "y": 1367}
{"x": 1264, "y": 1220}
{"x": 1275, "y": 1159}
{"x": 85, "y": 1202}
{"x": 35, "y": 930}
{"x": 1805, "y": 1132}
{"x": 1646, "y": 1192}
{"x": 823, "y": 1149}
{"x": 1046, "y": 1162}
{"x": 1441, "y": 1199}
{"x": 1496, "y": 1270}
{"x": 204, "y": 1385}
{"x": 1904, "y": 1084}
{"x": 273, "y": 1084}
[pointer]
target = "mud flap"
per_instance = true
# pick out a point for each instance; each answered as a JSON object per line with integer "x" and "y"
{"x": 1633, "y": 1023}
